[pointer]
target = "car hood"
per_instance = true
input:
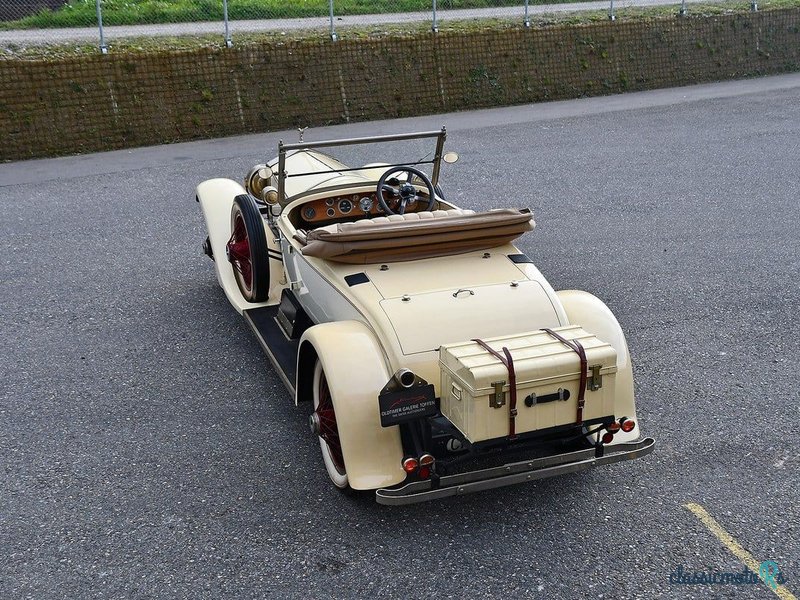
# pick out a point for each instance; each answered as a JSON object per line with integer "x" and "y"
{"x": 324, "y": 169}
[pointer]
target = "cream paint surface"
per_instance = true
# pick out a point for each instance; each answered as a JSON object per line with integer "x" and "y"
{"x": 426, "y": 321}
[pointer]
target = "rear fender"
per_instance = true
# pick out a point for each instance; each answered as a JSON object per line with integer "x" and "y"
{"x": 356, "y": 371}
{"x": 594, "y": 316}
{"x": 216, "y": 199}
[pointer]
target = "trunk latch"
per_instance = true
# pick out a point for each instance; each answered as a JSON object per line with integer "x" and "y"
{"x": 595, "y": 381}
{"x": 497, "y": 399}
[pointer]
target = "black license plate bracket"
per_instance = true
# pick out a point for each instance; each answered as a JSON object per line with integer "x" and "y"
{"x": 407, "y": 404}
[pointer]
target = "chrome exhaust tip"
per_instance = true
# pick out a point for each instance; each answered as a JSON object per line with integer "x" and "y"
{"x": 405, "y": 378}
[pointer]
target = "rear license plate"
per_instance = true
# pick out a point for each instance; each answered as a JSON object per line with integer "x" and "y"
{"x": 407, "y": 405}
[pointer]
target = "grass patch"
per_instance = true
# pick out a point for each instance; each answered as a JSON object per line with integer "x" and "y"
{"x": 81, "y": 13}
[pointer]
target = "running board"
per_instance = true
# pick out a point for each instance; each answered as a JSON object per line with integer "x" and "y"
{"x": 281, "y": 350}
{"x": 509, "y": 474}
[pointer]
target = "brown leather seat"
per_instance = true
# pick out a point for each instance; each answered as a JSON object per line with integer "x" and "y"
{"x": 417, "y": 235}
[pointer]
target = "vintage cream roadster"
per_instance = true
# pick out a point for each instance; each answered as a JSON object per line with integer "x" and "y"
{"x": 436, "y": 357}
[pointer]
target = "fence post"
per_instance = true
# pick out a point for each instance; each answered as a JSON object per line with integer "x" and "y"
{"x": 435, "y": 26}
{"x": 228, "y": 40}
{"x": 103, "y": 47}
{"x": 334, "y": 37}
{"x": 611, "y": 15}
{"x": 683, "y": 12}
{"x": 754, "y": 6}
{"x": 527, "y": 21}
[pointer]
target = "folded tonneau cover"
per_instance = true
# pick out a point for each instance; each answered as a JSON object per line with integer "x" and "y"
{"x": 385, "y": 240}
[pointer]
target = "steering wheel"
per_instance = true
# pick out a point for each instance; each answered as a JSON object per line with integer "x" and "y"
{"x": 405, "y": 190}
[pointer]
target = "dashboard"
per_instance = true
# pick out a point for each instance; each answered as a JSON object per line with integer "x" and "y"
{"x": 352, "y": 206}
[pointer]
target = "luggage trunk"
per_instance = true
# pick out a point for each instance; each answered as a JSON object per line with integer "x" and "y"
{"x": 475, "y": 392}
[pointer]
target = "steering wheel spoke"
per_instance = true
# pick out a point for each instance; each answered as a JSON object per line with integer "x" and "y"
{"x": 405, "y": 190}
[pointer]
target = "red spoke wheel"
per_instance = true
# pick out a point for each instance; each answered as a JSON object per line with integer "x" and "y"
{"x": 325, "y": 417}
{"x": 247, "y": 249}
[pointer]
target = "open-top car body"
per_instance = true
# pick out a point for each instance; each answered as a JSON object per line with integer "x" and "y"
{"x": 437, "y": 358}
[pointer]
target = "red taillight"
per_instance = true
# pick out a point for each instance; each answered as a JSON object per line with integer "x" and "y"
{"x": 607, "y": 437}
{"x": 613, "y": 427}
{"x": 426, "y": 460}
{"x": 424, "y": 472}
{"x": 410, "y": 464}
{"x": 627, "y": 424}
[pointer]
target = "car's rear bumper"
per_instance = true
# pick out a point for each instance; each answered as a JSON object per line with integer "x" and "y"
{"x": 509, "y": 474}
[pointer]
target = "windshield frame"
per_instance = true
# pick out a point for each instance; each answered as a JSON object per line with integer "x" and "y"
{"x": 436, "y": 161}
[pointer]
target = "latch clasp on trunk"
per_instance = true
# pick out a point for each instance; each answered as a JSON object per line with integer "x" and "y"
{"x": 595, "y": 381}
{"x": 497, "y": 399}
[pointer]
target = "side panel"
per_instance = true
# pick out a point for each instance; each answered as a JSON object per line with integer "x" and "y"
{"x": 356, "y": 372}
{"x": 594, "y": 316}
{"x": 216, "y": 199}
{"x": 319, "y": 297}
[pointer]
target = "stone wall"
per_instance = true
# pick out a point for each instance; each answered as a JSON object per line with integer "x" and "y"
{"x": 119, "y": 100}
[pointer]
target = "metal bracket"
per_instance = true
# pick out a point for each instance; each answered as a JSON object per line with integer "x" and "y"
{"x": 497, "y": 399}
{"x": 595, "y": 381}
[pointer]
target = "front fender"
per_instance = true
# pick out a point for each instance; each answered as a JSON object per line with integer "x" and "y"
{"x": 594, "y": 316}
{"x": 216, "y": 199}
{"x": 356, "y": 371}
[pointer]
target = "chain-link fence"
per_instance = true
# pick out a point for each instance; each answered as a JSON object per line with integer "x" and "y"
{"x": 64, "y": 101}
{"x": 53, "y": 21}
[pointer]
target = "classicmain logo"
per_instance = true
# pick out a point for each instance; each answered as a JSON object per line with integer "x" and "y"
{"x": 768, "y": 572}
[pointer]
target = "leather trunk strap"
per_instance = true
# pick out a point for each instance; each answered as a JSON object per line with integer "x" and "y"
{"x": 578, "y": 348}
{"x": 506, "y": 359}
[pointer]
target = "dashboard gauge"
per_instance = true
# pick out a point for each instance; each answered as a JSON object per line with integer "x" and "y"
{"x": 309, "y": 213}
{"x": 329, "y": 201}
{"x": 345, "y": 206}
{"x": 331, "y": 212}
{"x": 365, "y": 204}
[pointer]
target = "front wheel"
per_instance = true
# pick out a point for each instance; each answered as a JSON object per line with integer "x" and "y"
{"x": 323, "y": 423}
{"x": 247, "y": 249}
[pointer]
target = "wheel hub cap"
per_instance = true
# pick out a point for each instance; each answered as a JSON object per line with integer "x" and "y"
{"x": 314, "y": 424}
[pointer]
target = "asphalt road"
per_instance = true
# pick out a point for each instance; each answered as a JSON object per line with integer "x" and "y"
{"x": 148, "y": 450}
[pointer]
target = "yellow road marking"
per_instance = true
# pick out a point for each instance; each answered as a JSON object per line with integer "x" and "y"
{"x": 734, "y": 546}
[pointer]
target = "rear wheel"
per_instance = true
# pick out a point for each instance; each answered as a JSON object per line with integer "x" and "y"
{"x": 323, "y": 422}
{"x": 247, "y": 249}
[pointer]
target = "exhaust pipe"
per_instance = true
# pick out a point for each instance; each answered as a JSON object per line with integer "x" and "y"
{"x": 405, "y": 378}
